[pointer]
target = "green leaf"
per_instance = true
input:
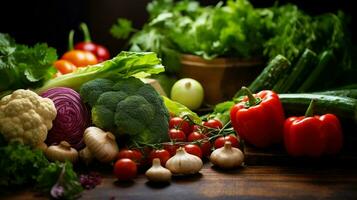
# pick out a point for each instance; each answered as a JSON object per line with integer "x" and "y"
{"x": 122, "y": 29}
{"x": 180, "y": 110}
{"x": 124, "y": 65}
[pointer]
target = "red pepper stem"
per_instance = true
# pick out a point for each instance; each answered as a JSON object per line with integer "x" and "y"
{"x": 85, "y": 30}
{"x": 310, "y": 110}
{"x": 252, "y": 99}
{"x": 70, "y": 40}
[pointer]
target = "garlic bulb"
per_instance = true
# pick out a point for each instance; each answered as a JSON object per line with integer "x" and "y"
{"x": 61, "y": 152}
{"x": 227, "y": 157}
{"x": 99, "y": 144}
{"x": 183, "y": 163}
{"x": 157, "y": 173}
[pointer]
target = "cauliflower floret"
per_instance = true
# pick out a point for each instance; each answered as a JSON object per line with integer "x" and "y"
{"x": 26, "y": 117}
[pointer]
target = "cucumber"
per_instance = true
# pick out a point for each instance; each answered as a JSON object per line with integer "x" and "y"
{"x": 352, "y": 93}
{"x": 304, "y": 66}
{"x": 269, "y": 76}
{"x": 321, "y": 71}
{"x": 344, "y": 108}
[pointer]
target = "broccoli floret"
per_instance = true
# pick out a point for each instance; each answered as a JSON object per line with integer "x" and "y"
{"x": 134, "y": 115}
{"x": 130, "y": 86}
{"x": 104, "y": 109}
{"x": 91, "y": 90}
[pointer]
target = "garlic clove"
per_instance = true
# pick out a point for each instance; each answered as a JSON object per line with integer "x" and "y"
{"x": 61, "y": 152}
{"x": 183, "y": 163}
{"x": 157, "y": 173}
{"x": 227, "y": 157}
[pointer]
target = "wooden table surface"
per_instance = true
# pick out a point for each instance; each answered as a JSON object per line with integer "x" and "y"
{"x": 250, "y": 183}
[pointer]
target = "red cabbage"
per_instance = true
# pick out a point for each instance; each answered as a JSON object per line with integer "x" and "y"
{"x": 72, "y": 118}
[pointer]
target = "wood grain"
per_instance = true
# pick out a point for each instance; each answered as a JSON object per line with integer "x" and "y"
{"x": 250, "y": 183}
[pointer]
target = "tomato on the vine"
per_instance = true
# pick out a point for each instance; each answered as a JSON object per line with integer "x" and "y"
{"x": 193, "y": 149}
{"x": 179, "y": 123}
{"x": 177, "y": 135}
{"x": 194, "y": 136}
{"x": 125, "y": 169}
{"x": 204, "y": 143}
{"x": 206, "y": 147}
{"x": 162, "y": 154}
{"x": 133, "y": 154}
{"x": 213, "y": 123}
{"x": 219, "y": 142}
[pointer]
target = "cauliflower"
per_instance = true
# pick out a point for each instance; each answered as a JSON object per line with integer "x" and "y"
{"x": 26, "y": 117}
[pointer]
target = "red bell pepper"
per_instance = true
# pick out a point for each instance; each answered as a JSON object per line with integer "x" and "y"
{"x": 313, "y": 135}
{"x": 99, "y": 51}
{"x": 259, "y": 119}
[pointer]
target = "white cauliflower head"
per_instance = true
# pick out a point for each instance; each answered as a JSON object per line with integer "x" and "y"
{"x": 26, "y": 117}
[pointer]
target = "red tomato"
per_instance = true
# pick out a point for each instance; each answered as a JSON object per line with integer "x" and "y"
{"x": 193, "y": 149}
{"x": 219, "y": 142}
{"x": 213, "y": 123}
{"x": 197, "y": 128}
{"x": 125, "y": 169}
{"x": 206, "y": 147}
{"x": 194, "y": 136}
{"x": 177, "y": 135}
{"x": 163, "y": 154}
{"x": 132, "y": 154}
{"x": 179, "y": 123}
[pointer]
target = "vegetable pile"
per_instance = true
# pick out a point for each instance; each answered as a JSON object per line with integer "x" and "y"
{"x": 104, "y": 114}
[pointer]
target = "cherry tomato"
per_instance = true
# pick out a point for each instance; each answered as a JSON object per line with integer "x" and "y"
{"x": 64, "y": 66}
{"x": 206, "y": 147}
{"x": 132, "y": 154}
{"x": 163, "y": 154}
{"x": 213, "y": 123}
{"x": 179, "y": 123}
{"x": 194, "y": 136}
{"x": 80, "y": 58}
{"x": 125, "y": 169}
{"x": 219, "y": 142}
{"x": 193, "y": 149}
{"x": 177, "y": 135}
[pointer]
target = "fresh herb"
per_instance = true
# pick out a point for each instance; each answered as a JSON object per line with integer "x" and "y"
{"x": 22, "y": 66}
{"x": 20, "y": 165}
{"x": 60, "y": 181}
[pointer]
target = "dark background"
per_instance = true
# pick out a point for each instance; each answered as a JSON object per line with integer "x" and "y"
{"x": 49, "y": 21}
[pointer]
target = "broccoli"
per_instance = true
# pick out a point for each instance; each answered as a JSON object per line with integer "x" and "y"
{"x": 91, "y": 90}
{"x": 128, "y": 107}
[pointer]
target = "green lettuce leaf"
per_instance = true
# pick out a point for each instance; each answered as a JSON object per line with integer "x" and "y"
{"x": 124, "y": 65}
